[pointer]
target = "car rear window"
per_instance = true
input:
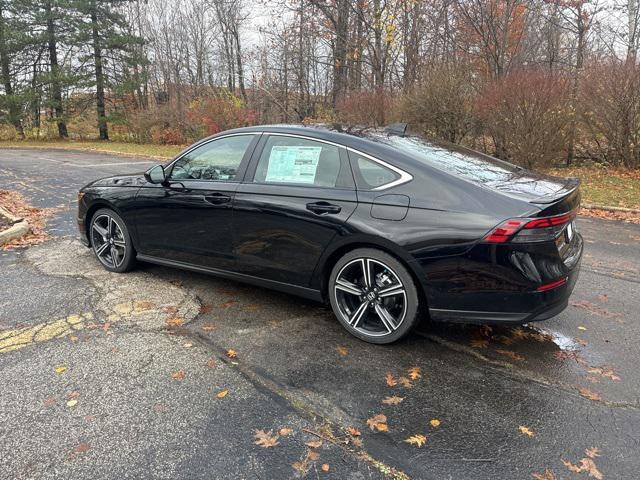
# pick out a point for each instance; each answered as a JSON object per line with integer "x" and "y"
{"x": 458, "y": 160}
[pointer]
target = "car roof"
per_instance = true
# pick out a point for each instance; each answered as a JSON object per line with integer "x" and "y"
{"x": 358, "y": 138}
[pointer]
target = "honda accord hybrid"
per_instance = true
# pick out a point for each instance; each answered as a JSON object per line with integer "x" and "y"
{"x": 384, "y": 226}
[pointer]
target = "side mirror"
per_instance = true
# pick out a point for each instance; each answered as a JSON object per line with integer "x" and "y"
{"x": 155, "y": 174}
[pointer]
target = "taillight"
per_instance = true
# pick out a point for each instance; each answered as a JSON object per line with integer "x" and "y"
{"x": 523, "y": 230}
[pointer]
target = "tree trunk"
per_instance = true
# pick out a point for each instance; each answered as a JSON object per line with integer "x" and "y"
{"x": 632, "y": 48}
{"x": 56, "y": 90}
{"x": 243, "y": 92}
{"x": 340, "y": 50}
{"x": 575, "y": 87}
{"x": 97, "y": 57}
{"x": 14, "y": 110}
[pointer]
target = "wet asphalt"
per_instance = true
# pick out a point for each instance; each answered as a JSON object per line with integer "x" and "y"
{"x": 571, "y": 382}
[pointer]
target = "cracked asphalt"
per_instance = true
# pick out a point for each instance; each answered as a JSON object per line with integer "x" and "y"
{"x": 117, "y": 376}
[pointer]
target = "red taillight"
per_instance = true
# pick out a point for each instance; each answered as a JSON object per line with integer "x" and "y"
{"x": 550, "y": 221}
{"x": 525, "y": 230}
{"x": 552, "y": 285}
{"x": 504, "y": 231}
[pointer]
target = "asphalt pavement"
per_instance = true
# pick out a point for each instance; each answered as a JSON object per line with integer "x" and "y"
{"x": 162, "y": 373}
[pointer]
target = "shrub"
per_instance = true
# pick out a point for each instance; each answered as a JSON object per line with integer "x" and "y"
{"x": 441, "y": 106}
{"x": 222, "y": 111}
{"x": 610, "y": 113}
{"x": 527, "y": 115}
{"x": 369, "y": 108}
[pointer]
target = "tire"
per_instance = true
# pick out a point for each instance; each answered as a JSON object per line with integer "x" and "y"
{"x": 111, "y": 242}
{"x": 382, "y": 309}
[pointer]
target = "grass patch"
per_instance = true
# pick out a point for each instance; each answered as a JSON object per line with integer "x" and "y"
{"x": 605, "y": 186}
{"x": 119, "y": 148}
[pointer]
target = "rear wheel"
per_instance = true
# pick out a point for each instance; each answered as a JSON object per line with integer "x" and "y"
{"x": 373, "y": 295}
{"x": 111, "y": 241}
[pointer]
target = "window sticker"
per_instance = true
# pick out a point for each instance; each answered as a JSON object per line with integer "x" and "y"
{"x": 293, "y": 164}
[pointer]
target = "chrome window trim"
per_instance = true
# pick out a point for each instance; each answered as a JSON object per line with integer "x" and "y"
{"x": 404, "y": 176}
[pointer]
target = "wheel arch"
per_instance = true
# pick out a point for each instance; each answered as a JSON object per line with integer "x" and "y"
{"x": 337, "y": 251}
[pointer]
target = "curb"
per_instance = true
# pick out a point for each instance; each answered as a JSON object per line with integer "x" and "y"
{"x": 610, "y": 209}
{"x": 18, "y": 228}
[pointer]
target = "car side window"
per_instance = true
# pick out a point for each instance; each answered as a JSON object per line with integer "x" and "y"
{"x": 370, "y": 174}
{"x": 216, "y": 160}
{"x": 298, "y": 161}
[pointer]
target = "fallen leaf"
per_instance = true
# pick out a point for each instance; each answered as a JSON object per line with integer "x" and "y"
{"x": 61, "y": 369}
{"x": 414, "y": 373}
{"x": 604, "y": 298}
{"x": 342, "y": 350}
{"x": 435, "y": 422}
{"x": 314, "y": 444}
{"x": 313, "y": 455}
{"x": 222, "y": 393}
{"x": 607, "y": 372}
{"x": 232, "y": 353}
{"x": 590, "y": 394}
{"x": 49, "y": 402}
{"x": 211, "y": 363}
{"x": 405, "y": 382}
{"x": 179, "y": 375}
{"x": 228, "y": 304}
{"x": 74, "y": 394}
{"x": 354, "y": 432}
{"x": 391, "y": 381}
{"x": 393, "y": 400}
{"x": 580, "y": 327}
{"x": 266, "y": 439}
{"x": 417, "y": 440}
{"x": 378, "y": 422}
{"x": 480, "y": 343}
{"x": 325, "y": 467}
{"x": 188, "y": 345}
{"x": 511, "y": 354}
{"x": 586, "y": 465}
{"x": 592, "y": 452}
{"x": 208, "y": 327}
{"x": 72, "y": 403}
{"x": 526, "y": 431}
{"x": 546, "y": 475}
{"x": 285, "y": 431}
{"x": 174, "y": 322}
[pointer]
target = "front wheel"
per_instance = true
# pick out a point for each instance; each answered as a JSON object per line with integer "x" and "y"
{"x": 373, "y": 295}
{"x": 111, "y": 241}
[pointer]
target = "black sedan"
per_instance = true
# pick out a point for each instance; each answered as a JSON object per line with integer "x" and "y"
{"x": 386, "y": 227}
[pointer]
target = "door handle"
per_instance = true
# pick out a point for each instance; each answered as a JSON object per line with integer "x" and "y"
{"x": 323, "y": 207}
{"x": 217, "y": 199}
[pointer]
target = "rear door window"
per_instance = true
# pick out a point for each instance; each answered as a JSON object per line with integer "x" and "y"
{"x": 302, "y": 162}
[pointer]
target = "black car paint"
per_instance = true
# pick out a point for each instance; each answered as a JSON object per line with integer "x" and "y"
{"x": 266, "y": 235}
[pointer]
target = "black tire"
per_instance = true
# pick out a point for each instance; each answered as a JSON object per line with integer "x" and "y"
{"x": 111, "y": 242}
{"x": 390, "y": 294}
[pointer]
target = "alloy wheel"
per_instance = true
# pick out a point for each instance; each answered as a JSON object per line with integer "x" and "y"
{"x": 108, "y": 240}
{"x": 370, "y": 296}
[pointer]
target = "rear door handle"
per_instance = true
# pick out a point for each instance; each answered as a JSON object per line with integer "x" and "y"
{"x": 323, "y": 207}
{"x": 217, "y": 198}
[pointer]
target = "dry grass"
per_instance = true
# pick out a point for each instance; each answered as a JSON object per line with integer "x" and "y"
{"x": 605, "y": 186}
{"x": 118, "y": 148}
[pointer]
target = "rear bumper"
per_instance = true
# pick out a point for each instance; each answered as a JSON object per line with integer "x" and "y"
{"x": 515, "y": 307}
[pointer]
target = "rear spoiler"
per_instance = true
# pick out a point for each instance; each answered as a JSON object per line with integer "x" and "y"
{"x": 565, "y": 200}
